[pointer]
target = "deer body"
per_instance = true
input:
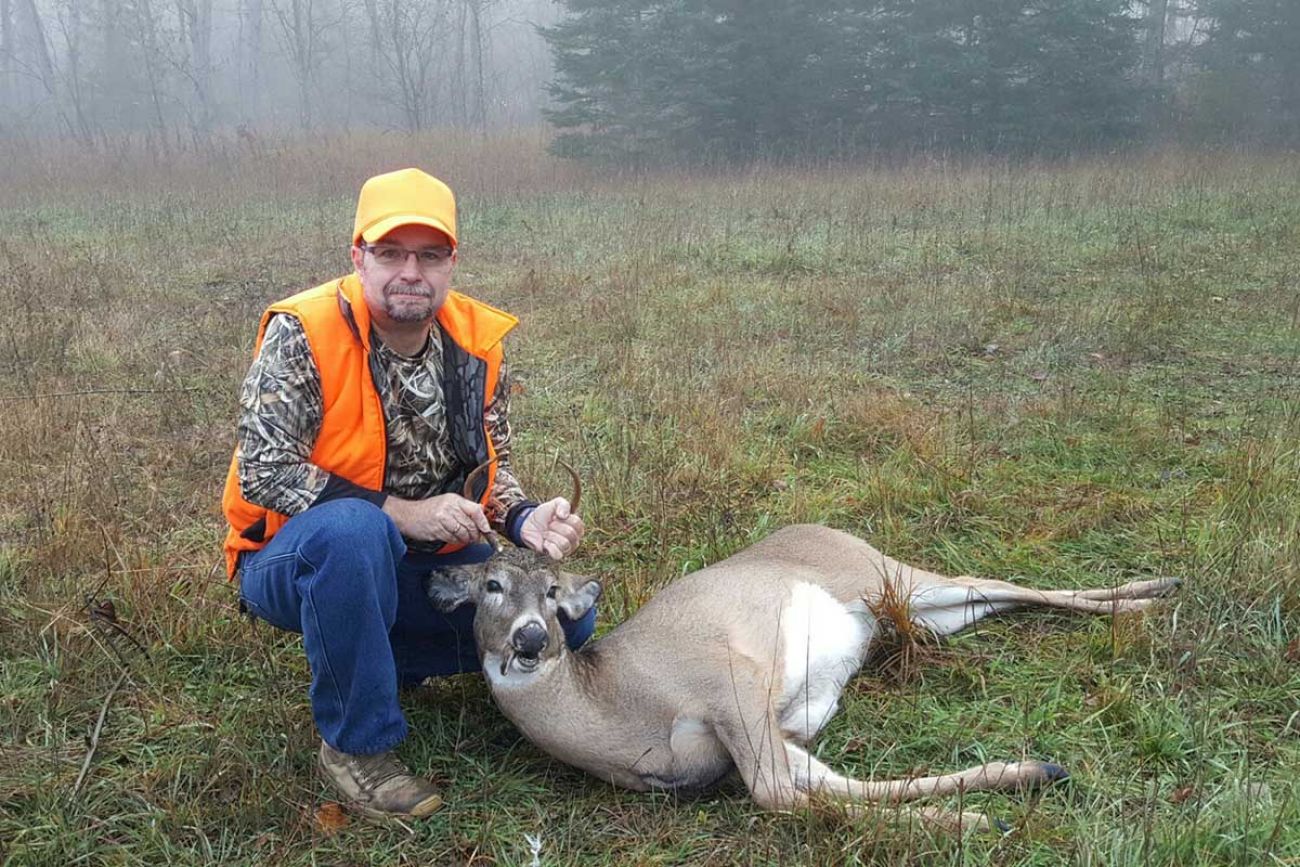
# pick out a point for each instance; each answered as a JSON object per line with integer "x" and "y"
{"x": 737, "y": 665}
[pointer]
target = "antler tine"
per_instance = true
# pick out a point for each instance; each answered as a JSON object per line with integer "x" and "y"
{"x": 577, "y": 485}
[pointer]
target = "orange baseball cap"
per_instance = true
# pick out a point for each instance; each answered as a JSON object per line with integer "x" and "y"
{"x": 401, "y": 198}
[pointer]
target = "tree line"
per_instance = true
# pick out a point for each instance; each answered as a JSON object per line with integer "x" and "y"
{"x": 728, "y": 79}
{"x": 631, "y": 80}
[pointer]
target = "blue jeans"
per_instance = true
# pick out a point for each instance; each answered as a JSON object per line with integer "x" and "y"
{"x": 339, "y": 573}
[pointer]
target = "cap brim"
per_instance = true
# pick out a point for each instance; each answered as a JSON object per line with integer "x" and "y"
{"x": 380, "y": 228}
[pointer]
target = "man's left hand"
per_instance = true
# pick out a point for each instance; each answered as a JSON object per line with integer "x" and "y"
{"x": 552, "y": 529}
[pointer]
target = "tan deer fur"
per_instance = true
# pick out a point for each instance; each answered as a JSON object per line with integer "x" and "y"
{"x": 738, "y": 665}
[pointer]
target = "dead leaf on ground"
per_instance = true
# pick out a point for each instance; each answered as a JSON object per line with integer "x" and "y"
{"x": 1292, "y": 652}
{"x": 331, "y": 818}
{"x": 1180, "y": 794}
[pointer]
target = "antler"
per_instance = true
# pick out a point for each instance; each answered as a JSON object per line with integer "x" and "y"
{"x": 468, "y": 492}
{"x": 577, "y": 485}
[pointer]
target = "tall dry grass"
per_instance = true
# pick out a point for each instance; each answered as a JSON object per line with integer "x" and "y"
{"x": 1058, "y": 373}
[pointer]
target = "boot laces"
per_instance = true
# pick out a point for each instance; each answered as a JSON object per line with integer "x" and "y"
{"x": 373, "y": 771}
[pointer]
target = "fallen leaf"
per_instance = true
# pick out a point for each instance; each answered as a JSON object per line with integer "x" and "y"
{"x": 1292, "y": 652}
{"x": 1180, "y": 794}
{"x": 331, "y": 818}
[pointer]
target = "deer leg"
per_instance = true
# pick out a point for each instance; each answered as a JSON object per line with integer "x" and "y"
{"x": 811, "y": 775}
{"x": 955, "y": 604}
{"x": 777, "y": 782}
{"x": 947, "y": 604}
{"x": 762, "y": 760}
{"x": 1155, "y": 588}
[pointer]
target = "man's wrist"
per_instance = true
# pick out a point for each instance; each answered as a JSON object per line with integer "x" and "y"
{"x": 513, "y": 525}
{"x": 396, "y": 509}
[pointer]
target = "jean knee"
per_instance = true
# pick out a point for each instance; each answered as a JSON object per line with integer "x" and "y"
{"x": 355, "y": 528}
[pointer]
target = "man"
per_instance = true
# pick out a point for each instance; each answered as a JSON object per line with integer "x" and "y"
{"x": 370, "y": 400}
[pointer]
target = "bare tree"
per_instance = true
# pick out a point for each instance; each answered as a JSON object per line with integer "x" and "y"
{"x": 195, "y": 17}
{"x": 6, "y": 51}
{"x": 408, "y": 31}
{"x": 475, "y": 9}
{"x": 249, "y": 74}
{"x": 70, "y": 18}
{"x": 145, "y": 25}
{"x": 301, "y": 26}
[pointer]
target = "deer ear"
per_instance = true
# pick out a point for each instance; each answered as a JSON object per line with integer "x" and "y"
{"x": 449, "y": 587}
{"x": 578, "y": 594}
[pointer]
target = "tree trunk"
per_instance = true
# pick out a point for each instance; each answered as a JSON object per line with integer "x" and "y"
{"x": 40, "y": 47}
{"x": 6, "y": 53}
{"x": 376, "y": 36}
{"x": 146, "y": 25}
{"x": 80, "y": 123}
{"x": 1154, "y": 61}
{"x": 458, "y": 88}
{"x": 476, "y": 34}
{"x": 195, "y": 17}
{"x": 251, "y": 49}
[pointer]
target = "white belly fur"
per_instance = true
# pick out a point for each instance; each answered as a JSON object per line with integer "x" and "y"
{"x": 824, "y": 643}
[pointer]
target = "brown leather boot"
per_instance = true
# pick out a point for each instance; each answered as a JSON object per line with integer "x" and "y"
{"x": 378, "y": 785}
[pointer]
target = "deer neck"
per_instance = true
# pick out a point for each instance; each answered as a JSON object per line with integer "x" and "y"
{"x": 570, "y": 680}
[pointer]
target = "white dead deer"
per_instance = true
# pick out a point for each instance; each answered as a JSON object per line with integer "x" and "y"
{"x": 738, "y": 665}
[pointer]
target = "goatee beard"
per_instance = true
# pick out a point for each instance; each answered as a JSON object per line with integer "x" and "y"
{"x": 402, "y": 308}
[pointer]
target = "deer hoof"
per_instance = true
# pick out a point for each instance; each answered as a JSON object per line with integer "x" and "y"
{"x": 1053, "y": 773}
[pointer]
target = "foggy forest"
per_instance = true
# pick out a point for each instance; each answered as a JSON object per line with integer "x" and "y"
{"x": 623, "y": 79}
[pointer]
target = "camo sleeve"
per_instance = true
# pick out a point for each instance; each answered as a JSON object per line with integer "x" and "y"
{"x": 507, "y": 493}
{"x": 280, "y": 417}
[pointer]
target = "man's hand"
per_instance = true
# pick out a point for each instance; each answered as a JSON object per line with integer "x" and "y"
{"x": 552, "y": 529}
{"x": 444, "y": 518}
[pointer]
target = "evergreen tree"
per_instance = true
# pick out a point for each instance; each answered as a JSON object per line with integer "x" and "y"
{"x": 1248, "y": 81}
{"x": 743, "y": 78}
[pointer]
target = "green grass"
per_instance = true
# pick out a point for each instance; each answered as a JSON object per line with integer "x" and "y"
{"x": 1060, "y": 375}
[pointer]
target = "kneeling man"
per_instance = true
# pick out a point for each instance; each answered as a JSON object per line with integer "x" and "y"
{"x": 370, "y": 400}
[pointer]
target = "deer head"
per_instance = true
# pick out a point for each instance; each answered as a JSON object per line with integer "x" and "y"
{"x": 518, "y": 594}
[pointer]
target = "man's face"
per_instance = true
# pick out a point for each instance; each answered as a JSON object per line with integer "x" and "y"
{"x": 405, "y": 291}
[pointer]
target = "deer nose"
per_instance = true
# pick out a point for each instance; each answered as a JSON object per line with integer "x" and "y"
{"x": 530, "y": 638}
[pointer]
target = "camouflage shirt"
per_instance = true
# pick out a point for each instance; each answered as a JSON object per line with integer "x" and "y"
{"x": 281, "y": 410}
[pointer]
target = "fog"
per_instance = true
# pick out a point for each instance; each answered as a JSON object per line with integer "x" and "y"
{"x": 178, "y": 70}
{"x": 648, "y": 79}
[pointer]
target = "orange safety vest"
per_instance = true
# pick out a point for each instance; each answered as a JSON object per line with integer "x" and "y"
{"x": 353, "y": 441}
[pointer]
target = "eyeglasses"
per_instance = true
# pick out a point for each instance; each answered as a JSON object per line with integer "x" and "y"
{"x": 394, "y": 255}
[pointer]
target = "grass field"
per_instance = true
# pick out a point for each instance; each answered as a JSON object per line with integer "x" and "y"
{"x": 1059, "y": 375}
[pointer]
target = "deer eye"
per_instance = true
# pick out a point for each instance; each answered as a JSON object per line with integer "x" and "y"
{"x": 492, "y": 586}
{"x": 552, "y": 591}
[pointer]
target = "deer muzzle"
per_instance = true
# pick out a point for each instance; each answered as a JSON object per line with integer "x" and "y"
{"x": 529, "y": 639}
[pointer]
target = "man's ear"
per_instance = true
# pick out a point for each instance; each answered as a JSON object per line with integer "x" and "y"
{"x": 578, "y": 594}
{"x": 449, "y": 587}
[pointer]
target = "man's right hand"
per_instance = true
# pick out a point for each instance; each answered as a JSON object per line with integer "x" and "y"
{"x": 444, "y": 518}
